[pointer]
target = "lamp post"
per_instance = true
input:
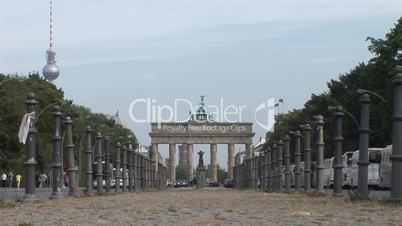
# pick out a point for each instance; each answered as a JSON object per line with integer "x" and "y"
{"x": 297, "y": 145}
{"x": 319, "y": 122}
{"x": 364, "y": 131}
{"x": 338, "y": 139}
{"x": 30, "y": 162}
{"x": 286, "y": 148}
{"x": 118, "y": 161}
{"x": 72, "y": 168}
{"x": 88, "y": 159}
{"x": 307, "y": 157}
{"x": 57, "y": 152}
{"x": 396, "y": 157}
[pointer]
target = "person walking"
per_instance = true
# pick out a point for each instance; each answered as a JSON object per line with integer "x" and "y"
{"x": 18, "y": 180}
{"x": 10, "y": 179}
{"x": 3, "y": 179}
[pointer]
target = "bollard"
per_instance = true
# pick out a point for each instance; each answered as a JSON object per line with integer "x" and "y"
{"x": 396, "y": 157}
{"x": 30, "y": 162}
{"x": 124, "y": 171}
{"x": 118, "y": 167}
{"x": 72, "y": 168}
{"x": 142, "y": 172}
{"x": 130, "y": 168}
{"x": 338, "y": 161}
{"x": 280, "y": 165}
{"x": 319, "y": 145}
{"x": 108, "y": 167}
{"x": 56, "y": 155}
{"x": 269, "y": 161}
{"x": 88, "y": 160}
{"x": 307, "y": 157}
{"x": 364, "y": 131}
{"x": 265, "y": 171}
{"x": 136, "y": 172}
{"x": 286, "y": 149}
{"x": 297, "y": 136}
{"x": 275, "y": 167}
{"x": 99, "y": 168}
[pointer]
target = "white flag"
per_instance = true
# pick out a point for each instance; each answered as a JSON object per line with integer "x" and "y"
{"x": 24, "y": 127}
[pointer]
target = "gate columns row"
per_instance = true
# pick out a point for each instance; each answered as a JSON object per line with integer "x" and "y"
{"x": 190, "y": 151}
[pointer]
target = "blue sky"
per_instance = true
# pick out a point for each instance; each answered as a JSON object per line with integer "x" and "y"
{"x": 112, "y": 52}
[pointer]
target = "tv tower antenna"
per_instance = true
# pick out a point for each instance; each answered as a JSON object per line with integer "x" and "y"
{"x": 51, "y": 71}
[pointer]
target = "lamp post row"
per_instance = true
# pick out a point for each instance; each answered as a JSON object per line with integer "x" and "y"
{"x": 272, "y": 159}
{"x": 136, "y": 168}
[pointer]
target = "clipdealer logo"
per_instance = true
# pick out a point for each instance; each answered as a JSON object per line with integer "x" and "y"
{"x": 264, "y": 113}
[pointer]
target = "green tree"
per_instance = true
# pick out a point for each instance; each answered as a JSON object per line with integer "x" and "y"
{"x": 376, "y": 76}
{"x": 13, "y": 92}
{"x": 181, "y": 172}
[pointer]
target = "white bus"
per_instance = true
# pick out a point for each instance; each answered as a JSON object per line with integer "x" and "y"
{"x": 347, "y": 165}
{"x": 328, "y": 172}
{"x": 373, "y": 167}
{"x": 385, "y": 168}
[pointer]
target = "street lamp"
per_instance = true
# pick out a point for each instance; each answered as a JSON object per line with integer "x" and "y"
{"x": 333, "y": 108}
{"x": 362, "y": 91}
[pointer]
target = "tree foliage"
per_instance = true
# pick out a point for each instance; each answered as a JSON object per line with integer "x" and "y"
{"x": 13, "y": 92}
{"x": 376, "y": 76}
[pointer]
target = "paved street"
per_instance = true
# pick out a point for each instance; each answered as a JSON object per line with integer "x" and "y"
{"x": 209, "y": 206}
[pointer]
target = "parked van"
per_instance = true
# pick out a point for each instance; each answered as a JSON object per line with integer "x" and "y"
{"x": 373, "y": 167}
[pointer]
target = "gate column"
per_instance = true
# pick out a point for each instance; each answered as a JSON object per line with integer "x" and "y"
{"x": 214, "y": 168}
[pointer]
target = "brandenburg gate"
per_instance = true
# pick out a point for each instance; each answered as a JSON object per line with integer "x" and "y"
{"x": 201, "y": 130}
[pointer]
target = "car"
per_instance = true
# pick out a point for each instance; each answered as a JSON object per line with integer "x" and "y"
{"x": 213, "y": 184}
{"x": 180, "y": 183}
{"x": 227, "y": 183}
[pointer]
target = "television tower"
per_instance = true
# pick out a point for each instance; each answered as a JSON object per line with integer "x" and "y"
{"x": 51, "y": 71}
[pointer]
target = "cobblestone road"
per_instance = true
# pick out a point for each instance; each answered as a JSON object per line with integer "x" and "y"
{"x": 202, "y": 207}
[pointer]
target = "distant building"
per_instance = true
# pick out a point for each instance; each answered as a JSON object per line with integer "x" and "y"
{"x": 183, "y": 155}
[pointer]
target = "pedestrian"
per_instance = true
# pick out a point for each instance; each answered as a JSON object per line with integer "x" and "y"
{"x": 42, "y": 180}
{"x": 3, "y": 179}
{"x": 18, "y": 180}
{"x": 10, "y": 179}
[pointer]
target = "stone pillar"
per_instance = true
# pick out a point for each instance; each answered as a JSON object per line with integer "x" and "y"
{"x": 396, "y": 157}
{"x": 364, "y": 131}
{"x": 319, "y": 145}
{"x": 280, "y": 165}
{"x": 190, "y": 152}
{"x": 214, "y": 166}
{"x": 286, "y": 149}
{"x": 56, "y": 155}
{"x": 88, "y": 160}
{"x": 72, "y": 168}
{"x": 297, "y": 160}
{"x": 155, "y": 158}
{"x": 249, "y": 151}
{"x": 338, "y": 162}
{"x": 172, "y": 162}
{"x": 118, "y": 166}
{"x": 307, "y": 157}
{"x": 30, "y": 156}
{"x": 274, "y": 166}
{"x": 99, "y": 168}
{"x": 231, "y": 160}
